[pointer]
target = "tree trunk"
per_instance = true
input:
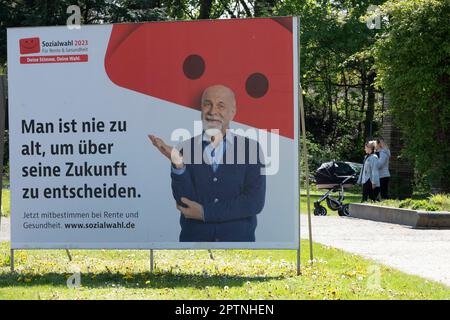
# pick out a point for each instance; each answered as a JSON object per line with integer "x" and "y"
{"x": 363, "y": 102}
{"x": 344, "y": 78}
{"x": 205, "y": 9}
{"x": 370, "y": 111}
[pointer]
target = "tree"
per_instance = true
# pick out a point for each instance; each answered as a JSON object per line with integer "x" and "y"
{"x": 343, "y": 107}
{"x": 413, "y": 62}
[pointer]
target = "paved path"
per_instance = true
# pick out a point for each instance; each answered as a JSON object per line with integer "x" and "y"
{"x": 425, "y": 253}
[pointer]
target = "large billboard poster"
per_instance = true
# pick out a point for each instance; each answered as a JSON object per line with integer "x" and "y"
{"x": 154, "y": 135}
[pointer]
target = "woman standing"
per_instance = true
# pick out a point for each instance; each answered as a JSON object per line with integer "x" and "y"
{"x": 384, "y": 154}
{"x": 369, "y": 177}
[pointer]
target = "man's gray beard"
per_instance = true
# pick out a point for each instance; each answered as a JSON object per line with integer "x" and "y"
{"x": 211, "y": 131}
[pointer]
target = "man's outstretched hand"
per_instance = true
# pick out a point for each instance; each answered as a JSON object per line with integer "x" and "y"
{"x": 194, "y": 210}
{"x": 169, "y": 152}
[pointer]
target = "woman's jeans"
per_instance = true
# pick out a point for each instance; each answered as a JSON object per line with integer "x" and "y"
{"x": 384, "y": 184}
{"x": 368, "y": 192}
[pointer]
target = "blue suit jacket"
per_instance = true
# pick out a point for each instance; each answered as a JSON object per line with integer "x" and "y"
{"x": 231, "y": 197}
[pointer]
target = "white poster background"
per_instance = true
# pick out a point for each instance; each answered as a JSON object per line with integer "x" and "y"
{"x": 82, "y": 91}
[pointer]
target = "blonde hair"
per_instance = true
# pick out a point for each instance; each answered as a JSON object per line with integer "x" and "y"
{"x": 371, "y": 144}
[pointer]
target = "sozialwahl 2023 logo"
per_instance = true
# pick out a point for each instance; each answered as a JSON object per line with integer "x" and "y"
{"x": 30, "y": 45}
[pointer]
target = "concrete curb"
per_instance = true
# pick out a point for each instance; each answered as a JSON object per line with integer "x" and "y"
{"x": 414, "y": 218}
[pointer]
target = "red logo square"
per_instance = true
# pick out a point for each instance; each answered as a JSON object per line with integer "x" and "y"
{"x": 30, "y": 45}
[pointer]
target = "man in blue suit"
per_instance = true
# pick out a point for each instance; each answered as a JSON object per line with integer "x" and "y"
{"x": 219, "y": 193}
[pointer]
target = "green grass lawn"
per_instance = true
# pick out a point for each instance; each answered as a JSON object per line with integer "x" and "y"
{"x": 234, "y": 274}
{"x": 5, "y": 210}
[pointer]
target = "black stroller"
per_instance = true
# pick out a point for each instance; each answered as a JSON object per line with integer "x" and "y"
{"x": 335, "y": 176}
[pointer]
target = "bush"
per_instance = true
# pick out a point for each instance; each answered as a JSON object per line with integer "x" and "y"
{"x": 317, "y": 154}
{"x": 407, "y": 203}
{"x": 412, "y": 60}
{"x": 431, "y": 207}
{"x": 439, "y": 202}
{"x": 6, "y": 170}
{"x": 419, "y": 204}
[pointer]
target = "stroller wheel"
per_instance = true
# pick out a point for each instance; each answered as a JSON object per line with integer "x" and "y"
{"x": 344, "y": 210}
{"x": 333, "y": 204}
{"x": 320, "y": 211}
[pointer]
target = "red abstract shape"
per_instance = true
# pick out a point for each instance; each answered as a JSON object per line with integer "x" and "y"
{"x": 29, "y": 45}
{"x": 176, "y": 61}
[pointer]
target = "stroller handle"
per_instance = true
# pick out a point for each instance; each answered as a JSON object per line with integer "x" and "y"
{"x": 353, "y": 176}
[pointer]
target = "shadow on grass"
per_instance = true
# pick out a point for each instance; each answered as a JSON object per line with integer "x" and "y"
{"x": 155, "y": 280}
